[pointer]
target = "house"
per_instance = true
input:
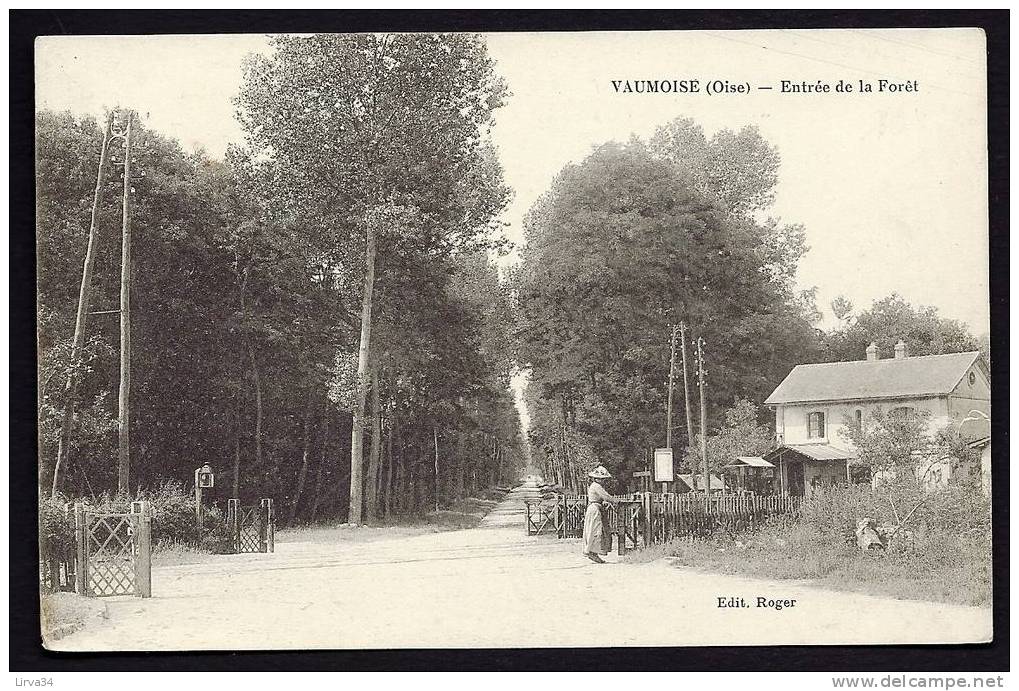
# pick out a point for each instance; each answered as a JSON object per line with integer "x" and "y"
{"x": 813, "y": 403}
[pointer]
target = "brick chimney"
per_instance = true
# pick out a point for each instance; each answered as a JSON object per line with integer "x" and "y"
{"x": 901, "y": 352}
{"x": 872, "y": 352}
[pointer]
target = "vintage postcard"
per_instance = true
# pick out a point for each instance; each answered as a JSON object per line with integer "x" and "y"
{"x": 513, "y": 340}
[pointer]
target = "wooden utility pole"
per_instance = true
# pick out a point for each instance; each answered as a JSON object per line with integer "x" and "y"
{"x": 704, "y": 416}
{"x": 84, "y": 299}
{"x": 686, "y": 393}
{"x": 124, "y": 448}
{"x": 668, "y": 414}
{"x": 363, "y": 352}
{"x": 672, "y": 375}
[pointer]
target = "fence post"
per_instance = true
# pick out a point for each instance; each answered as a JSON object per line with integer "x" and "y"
{"x": 621, "y": 529}
{"x": 263, "y": 521}
{"x": 268, "y": 525}
{"x": 559, "y": 516}
{"x": 80, "y": 550}
{"x": 233, "y": 524}
{"x": 645, "y": 503}
{"x": 141, "y": 520}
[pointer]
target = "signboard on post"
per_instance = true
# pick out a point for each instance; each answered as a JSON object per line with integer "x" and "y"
{"x": 663, "y": 465}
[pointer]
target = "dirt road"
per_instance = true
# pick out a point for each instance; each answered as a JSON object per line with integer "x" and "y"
{"x": 491, "y": 586}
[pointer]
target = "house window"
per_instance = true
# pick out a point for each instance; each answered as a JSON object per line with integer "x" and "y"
{"x": 859, "y": 419}
{"x": 815, "y": 425}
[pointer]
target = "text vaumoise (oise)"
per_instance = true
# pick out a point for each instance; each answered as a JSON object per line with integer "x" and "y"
{"x": 782, "y": 86}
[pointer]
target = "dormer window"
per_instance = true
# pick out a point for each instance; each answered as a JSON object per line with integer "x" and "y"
{"x": 815, "y": 425}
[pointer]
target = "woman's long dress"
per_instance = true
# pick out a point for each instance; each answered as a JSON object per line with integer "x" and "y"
{"x": 597, "y": 540}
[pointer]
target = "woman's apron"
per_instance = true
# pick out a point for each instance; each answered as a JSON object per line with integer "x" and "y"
{"x": 597, "y": 538}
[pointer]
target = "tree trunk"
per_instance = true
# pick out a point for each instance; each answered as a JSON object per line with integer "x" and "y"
{"x": 237, "y": 454}
{"x": 257, "y": 381}
{"x": 435, "y": 441}
{"x": 321, "y": 462}
{"x": 388, "y": 484}
{"x": 460, "y": 463}
{"x": 84, "y": 300}
{"x": 303, "y": 474}
{"x": 363, "y": 353}
{"x": 375, "y": 455}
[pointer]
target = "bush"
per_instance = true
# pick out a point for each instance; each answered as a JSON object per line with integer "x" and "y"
{"x": 957, "y": 509}
{"x": 56, "y": 527}
{"x": 218, "y": 539}
{"x": 943, "y": 553}
{"x": 173, "y": 516}
{"x": 173, "y": 521}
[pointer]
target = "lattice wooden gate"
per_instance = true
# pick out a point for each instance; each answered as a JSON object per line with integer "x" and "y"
{"x": 253, "y": 528}
{"x": 573, "y": 510}
{"x": 629, "y": 525}
{"x": 543, "y": 517}
{"x": 113, "y": 551}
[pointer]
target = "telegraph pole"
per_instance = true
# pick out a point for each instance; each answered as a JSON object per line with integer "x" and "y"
{"x": 686, "y": 397}
{"x": 704, "y": 416}
{"x": 672, "y": 377}
{"x": 84, "y": 298}
{"x": 124, "y": 402}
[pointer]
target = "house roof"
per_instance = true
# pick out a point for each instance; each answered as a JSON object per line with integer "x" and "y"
{"x": 818, "y": 452}
{"x": 910, "y": 377}
{"x": 753, "y": 461}
{"x": 716, "y": 482}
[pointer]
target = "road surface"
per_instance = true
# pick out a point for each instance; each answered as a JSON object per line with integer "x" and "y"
{"x": 490, "y": 586}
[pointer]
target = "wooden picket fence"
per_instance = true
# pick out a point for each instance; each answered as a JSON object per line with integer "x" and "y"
{"x": 648, "y": 518}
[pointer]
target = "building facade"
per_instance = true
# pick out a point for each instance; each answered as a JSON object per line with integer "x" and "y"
{"x": 815, "y": 403}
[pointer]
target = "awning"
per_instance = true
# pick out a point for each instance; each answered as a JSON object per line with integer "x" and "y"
{"x": 751, "y": 461}
{"x": 815, "y": 452}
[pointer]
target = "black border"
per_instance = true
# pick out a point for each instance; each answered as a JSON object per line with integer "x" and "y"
{"x": 26, "y": 653}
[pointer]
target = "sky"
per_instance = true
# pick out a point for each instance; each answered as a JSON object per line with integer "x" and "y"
{"x": 891, "y": 188}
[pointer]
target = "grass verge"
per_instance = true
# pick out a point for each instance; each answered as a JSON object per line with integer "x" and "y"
{"x": 941, "y": 567}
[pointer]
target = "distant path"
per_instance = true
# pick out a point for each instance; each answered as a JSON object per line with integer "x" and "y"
{"x": 490, "y": 586}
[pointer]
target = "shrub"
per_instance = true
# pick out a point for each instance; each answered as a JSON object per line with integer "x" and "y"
{"x": 56, "y": 527}
{"x": 218, "y": 539}
{"x": 173, "y": 521}
{"x": 959, "y": 509}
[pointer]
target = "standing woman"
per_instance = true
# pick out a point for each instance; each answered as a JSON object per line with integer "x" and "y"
{"x": 595, "y": 531}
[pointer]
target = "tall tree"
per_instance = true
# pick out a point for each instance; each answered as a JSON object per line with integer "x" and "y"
{"x": 378, "y": 136}
{"x": 622, "y": 246}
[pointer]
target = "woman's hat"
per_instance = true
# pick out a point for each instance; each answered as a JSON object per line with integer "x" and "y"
{"x": 599, "y": 473}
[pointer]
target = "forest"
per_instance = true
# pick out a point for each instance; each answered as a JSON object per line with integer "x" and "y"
{"x": 247, "y": 289}
{"x": 322, "y": 318}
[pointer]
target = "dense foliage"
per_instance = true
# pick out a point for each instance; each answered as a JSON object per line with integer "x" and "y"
{"x": 627, "y": 243}
{"x": 890, "y": 320}
{"x": 247, "y": 281}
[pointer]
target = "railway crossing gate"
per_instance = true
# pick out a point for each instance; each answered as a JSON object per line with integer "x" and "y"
{"x": 113, "y": 551}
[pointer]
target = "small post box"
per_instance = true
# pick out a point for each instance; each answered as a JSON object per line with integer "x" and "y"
{"x": 204, "y": 477}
